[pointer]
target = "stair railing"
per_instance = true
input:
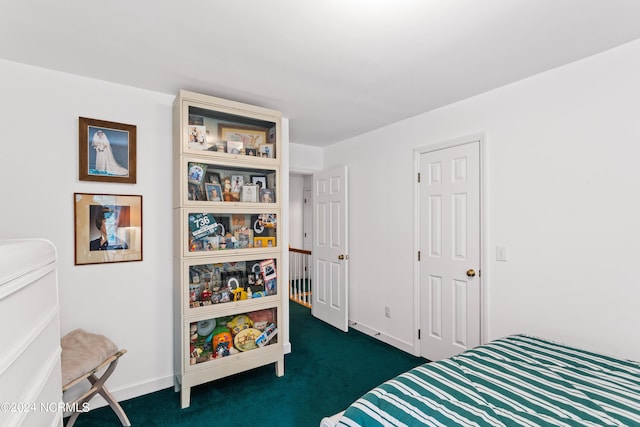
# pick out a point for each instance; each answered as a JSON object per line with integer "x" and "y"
{"x": 300, "y": 276}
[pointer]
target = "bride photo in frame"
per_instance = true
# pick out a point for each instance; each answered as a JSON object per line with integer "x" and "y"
{"x": 107, "y": 151}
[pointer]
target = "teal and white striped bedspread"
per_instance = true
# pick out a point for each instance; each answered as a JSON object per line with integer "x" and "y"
{"x": 514, "y": 381}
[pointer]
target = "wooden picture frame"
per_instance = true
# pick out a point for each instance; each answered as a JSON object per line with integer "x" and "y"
{"x": 108, "y": 228}
{"x": 107, "y": 151}
{"x": 249, "y": 136}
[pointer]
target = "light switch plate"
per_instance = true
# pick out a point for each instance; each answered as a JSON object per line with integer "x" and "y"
{"x": 501, "y": 253}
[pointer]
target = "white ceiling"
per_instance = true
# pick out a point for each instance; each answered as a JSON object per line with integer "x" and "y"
{"x": 336, "y": 68}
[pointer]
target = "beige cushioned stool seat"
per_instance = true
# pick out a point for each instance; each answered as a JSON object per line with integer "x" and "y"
{"x": 84, "y": 354}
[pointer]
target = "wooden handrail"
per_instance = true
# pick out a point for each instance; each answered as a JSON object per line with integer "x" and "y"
{"x": 299, "y": 251}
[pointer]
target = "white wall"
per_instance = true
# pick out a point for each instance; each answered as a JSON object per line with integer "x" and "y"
{"x": 132, "y": 303}
{"x": 129, "y": 302}
{"x": 562, "y": 150}
{"x": 296, "y": 210}
{"x": 305, "y": 158}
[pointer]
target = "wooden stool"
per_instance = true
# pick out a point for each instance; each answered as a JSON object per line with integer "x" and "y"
{"x": 84, "y": 354}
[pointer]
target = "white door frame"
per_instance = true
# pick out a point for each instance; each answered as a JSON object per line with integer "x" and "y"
{"x": 480, "y": 138}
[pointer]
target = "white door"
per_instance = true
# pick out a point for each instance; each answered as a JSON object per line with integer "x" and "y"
{"x": 330, "y": 247}
{"x": 449, "y": 193}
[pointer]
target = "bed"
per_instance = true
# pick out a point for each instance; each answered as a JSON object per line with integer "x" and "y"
{"x": 519, "y": 380}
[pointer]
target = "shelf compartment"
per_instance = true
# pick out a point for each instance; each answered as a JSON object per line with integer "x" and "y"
{"x": 217, "y": 130}
{"x": 209, "y": 231}
{"x": 221, "y": 183}
{"x": 230, "y": 336}
{"x": 209, "y": 284}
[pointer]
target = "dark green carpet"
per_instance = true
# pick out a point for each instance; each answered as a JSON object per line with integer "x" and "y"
{"x": 326, "y": 370}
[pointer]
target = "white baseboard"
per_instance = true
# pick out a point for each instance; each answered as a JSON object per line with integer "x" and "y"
{"x": 399, "y": 344}
{"x": 141, "y": 389}
{"x": 133, "y": 391}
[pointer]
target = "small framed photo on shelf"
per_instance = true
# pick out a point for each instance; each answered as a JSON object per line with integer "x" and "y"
{"x": 271, "y": 180}
{"x": 259, "y": 180}
{"x": 196, "y": 172}
{"x": 251, "y": 151}
{"x": 195, "y": 192}
{"x": 264, "y": 242}
{"x": 107, "y": 151}
{"x": 268, "y": 268}
{"x": 234, "y": 147}
{"x": 219, "y": 146}
{"x": 196, "y": 120}
{"x": 267, "y": 150}
{"x": 249, "y": 193}
{"x": 267, "y": 195}
{"x": 244, "y": 237}
{"x": 237, "y": 181}
{"x": 213, "y": 177}
{"x": 214, "y": 192}
{"x": 198, "y": 138}
{"x": 249, "y": 136}
{"x": 108, "y": 228}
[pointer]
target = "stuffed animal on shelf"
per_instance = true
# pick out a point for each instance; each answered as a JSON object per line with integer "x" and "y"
{"x": 222, "y": 343}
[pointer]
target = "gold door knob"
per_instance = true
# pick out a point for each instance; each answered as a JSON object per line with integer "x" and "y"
{"x": 340, "y": 256}
{"x": 471, "y": 272}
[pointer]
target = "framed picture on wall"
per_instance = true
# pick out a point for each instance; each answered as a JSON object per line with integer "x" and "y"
{"x": 108, "y": 228}
{"x": 107, "y": 151}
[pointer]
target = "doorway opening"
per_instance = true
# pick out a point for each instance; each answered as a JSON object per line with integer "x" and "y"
{"x": 300, "y": 238}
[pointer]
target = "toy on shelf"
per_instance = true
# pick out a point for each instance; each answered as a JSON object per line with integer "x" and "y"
{"x": 224, "y": 336}
{"x": 222, "y": 343}
{"x": 266, "y": 336}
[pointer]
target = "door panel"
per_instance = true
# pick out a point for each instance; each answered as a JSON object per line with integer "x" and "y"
{"x": 450, "y": 231}
{"x": 330, "y": 248}
{"x": 435, "y": 310}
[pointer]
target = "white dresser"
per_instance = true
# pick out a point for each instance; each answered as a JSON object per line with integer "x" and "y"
{"x": 30, "y": 378}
